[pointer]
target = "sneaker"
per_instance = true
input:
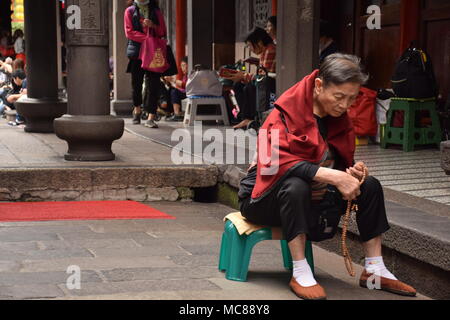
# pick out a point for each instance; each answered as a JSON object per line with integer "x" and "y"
{"x": 136, "y": 118}
{"x": 175, "y": 118}
{"x": 151, "y": 124}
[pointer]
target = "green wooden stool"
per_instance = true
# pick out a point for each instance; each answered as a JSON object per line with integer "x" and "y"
{"x": 236, "y": 251}
{"x": 410, "y": 136}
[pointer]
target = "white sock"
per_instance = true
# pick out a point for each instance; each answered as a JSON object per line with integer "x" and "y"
{"x": 303, "y": 274}
{"x": 376, "y": 266}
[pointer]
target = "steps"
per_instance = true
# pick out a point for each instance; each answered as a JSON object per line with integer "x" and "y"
{"x": 159, "y": 183}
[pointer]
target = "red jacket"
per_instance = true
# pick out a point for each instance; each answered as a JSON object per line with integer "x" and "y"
{"x": 299, "y": 137}
{"x": 134, "y": 35}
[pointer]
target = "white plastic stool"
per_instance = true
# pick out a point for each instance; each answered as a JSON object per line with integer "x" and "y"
{"x": 190, "y": 116}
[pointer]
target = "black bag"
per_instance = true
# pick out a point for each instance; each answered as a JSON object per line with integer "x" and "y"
{"x": 266, "y": 93}
{"x": 173, "y": 69}
{"x": 325, "y": 216}
{"x": 414, "y": 76}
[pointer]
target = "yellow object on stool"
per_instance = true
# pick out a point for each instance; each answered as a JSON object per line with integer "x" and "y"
{"x": 362, "y": 141}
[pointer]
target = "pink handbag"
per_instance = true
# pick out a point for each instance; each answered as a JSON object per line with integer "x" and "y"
{"x": 154, "y": 54}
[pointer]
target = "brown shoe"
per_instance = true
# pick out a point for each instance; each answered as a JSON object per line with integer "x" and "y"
{"x": 311, "y": 293}
{"x": 393, "y": 286}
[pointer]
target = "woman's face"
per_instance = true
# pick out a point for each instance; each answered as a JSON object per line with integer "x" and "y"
{"x": 270, "y": 29}
{"x": 335, "y": 100}
{"x": 184, "y": 67}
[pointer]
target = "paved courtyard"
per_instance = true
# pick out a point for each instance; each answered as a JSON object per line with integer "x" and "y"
{"x": 152, "y": 259}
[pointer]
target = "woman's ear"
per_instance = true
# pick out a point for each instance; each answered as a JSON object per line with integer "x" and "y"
{"x": 318, "y": 88}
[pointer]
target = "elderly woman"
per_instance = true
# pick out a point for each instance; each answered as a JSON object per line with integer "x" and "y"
{"x": 316, "y": 153}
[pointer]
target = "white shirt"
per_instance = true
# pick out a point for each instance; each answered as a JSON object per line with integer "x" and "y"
{"x": 18, "y": 46}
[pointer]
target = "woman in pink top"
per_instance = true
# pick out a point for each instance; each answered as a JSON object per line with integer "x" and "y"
{"x": 141, "y": 18}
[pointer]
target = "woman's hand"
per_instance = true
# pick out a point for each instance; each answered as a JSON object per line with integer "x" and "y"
{"x": 358, "y": 171}
{"x": 347, "y": 185}
{"x": 148, "y": 23}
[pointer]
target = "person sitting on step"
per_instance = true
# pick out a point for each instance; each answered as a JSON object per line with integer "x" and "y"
{"x": 178, "y": 93}
{"x": 313, "y": 138}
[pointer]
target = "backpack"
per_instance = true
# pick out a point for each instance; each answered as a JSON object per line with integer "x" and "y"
{"x": 414, "y": 76}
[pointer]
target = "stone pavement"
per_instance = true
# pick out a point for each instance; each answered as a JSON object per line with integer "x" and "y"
{"x": 152, "y": 259}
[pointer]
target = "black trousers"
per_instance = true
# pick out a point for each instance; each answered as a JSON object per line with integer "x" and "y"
{"x": 152, "y": 79}
{"x": 288, "y": 205}
{"x": 246, "y": 98}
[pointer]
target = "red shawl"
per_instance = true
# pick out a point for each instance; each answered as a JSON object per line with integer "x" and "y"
{"x": 299, "y": 137}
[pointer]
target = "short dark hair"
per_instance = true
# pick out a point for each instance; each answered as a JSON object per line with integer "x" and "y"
{"x": 257, "y": 35}
{"x": 340, "y": 68}
{"x": 273, "y": 21}
{"x": 185, "y": 59}
{"x": 19, "y": 73}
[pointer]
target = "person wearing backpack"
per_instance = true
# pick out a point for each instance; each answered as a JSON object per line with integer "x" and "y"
{"x": 140, "y": 17}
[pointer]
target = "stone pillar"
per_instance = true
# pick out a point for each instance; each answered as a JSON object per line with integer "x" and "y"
{"x": 274, "y": 7}
{"x": 88, "y": 128}
{"x": 122, "y": 103}
{"x": 41, "y": 105}
{"x": 298, "y": 41}
{"x": 181, "y": 24}
{"x": 200, "y": 33}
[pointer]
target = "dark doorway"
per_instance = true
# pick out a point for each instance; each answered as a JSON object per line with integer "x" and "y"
{"x": 5, "y": 15}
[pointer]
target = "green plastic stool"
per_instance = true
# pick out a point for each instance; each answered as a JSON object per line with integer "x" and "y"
{"x": 410, "y": 136}
{"x": 236, "y": 251}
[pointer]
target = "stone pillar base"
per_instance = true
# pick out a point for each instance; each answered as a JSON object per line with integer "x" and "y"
{"x": 89, "y": 137}
{"x": 123, "y": 108}
{"x": 40, "y": 113}
{"x": 445, "y": 156}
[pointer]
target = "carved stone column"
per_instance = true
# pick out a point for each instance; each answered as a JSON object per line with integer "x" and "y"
{"x": 298, "y": 41}
{"x": 41, "y": 105}
{"x": 89, "y": 129}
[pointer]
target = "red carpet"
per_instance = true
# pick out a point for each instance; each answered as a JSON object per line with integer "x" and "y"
{"x": 88, "y": 210}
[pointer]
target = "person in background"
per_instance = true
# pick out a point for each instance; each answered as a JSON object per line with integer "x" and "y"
{"x": 19, "y": 88}
{"x": 19, "y": 45}
{"x": 178, "y": 93}
{"x": 327, "y": 45}
{"x": 6, "y": 67}
{"x": 139, "y": 17}
{"x": 18, "y": 64}
{"x": 6, "y": 49}
{"x": 271, "y": 28}
{"x": 261, "y": 44}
